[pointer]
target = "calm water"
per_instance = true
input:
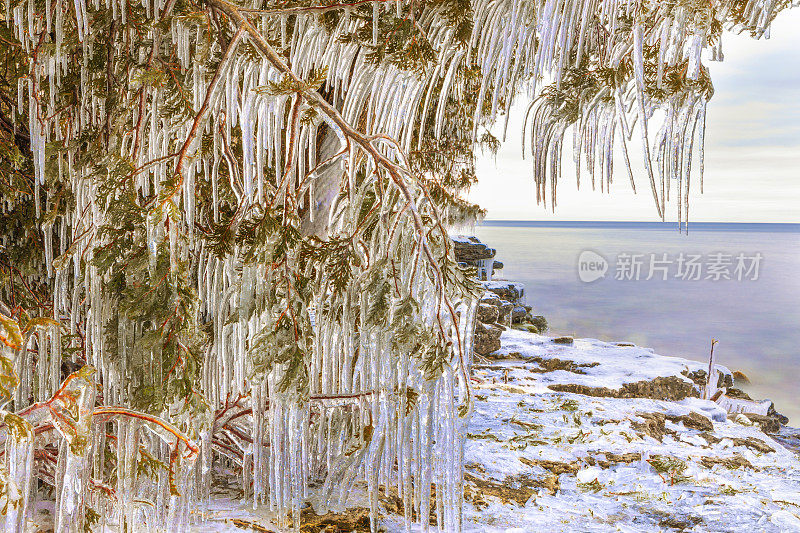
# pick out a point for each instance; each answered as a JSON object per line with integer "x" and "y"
{"x": 757, "y": 322}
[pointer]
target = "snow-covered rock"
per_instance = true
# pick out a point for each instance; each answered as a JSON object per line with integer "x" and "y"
{"x": 577, "y": 462}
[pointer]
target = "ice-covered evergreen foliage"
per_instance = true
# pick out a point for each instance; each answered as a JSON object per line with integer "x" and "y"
{"x": 224, "y": 245}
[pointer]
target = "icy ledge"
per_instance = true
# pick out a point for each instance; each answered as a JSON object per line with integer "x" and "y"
{"x": 542, "y": 460}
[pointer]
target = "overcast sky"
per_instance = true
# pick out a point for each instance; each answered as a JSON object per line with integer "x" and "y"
{"x": 752, "y": 149}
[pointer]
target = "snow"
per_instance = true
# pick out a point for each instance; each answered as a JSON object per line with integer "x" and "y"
{"x": 510, "y": 286}
{"x": 464, "y": 239}
{"x": 518, "y": 421}
{"x": 502, "y": 284}
{"x": 617, "y": 364}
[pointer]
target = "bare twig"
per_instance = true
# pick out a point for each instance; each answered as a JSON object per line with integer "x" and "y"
{"x": 707, "y": 392}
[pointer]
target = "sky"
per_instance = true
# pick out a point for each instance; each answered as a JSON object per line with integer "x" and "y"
{"x": 752, "y": 171}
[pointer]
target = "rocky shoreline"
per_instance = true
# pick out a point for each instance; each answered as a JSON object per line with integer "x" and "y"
{"x": 596, "y": 436}
{"x": 503, "y": 303}
{"x": 579, "y": 434}
{"x": 503, "y": 306}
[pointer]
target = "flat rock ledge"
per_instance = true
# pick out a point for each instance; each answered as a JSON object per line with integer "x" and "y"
{"x": 596, "y": 436}
{"x": 671, "y": 388}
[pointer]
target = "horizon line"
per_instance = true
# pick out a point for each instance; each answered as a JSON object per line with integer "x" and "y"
{"x": 539, "y": 221}
{"x": 700, "y": 225}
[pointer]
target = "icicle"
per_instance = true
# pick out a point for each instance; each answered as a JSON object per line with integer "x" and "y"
{"x": 19, "y": 468}
{"x": 694, "y": 52}
{"x": 376, "y": 11}
{"x": 716, "y": 52}
{"x": 73, "y": 455}
{"x": 638, "y": 68}
{"x": 702, "y": 142}
{"x": 82, "y": 21}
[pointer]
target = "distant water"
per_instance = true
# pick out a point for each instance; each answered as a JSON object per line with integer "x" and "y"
{"x": 757, "y": 322}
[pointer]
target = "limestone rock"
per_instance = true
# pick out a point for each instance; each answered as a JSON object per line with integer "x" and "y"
{"x": 740, "y": 377}
{"x": 554, "y": 364}
{"x": 768, "y": 424}
{"x": 699, "y": 378}
{"x": 488, "y": 314}
{"x": 518, "y": 313}
{"x": 469, "y": 249}
{"x": 487, "y": 338}
{"x": 505, "y": 309}
{"x": 693, "y": 421}
{"x": 653, "y": 425}
{"x": 735, "y": 461}
{"x": 540, "y": 323}
{"x": 556, "y": 467}
{"x": 778, "y": 416}
{"x": 507, "y": 290}
{"x": 490, "y": 298}
{"x": 671, "y": 388}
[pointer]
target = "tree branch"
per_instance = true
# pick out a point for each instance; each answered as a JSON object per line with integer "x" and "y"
{"x": 198, "y": 119}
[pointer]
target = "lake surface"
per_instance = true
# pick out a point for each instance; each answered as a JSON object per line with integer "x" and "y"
{"x": 755, "y": 315}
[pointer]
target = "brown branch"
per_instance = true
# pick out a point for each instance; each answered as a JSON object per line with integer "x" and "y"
{"x": 105, "y": 413}
{"x": 198, "y": 119}
{"x": 309, "y": 9}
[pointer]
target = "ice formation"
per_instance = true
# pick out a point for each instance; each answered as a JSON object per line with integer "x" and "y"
{"x": 371, "y": 410}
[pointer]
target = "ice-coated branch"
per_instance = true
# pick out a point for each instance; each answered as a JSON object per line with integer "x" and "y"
{"x": 397, "y": 173}
{"x": 199, "y": 118}
{"x": 70, "y": 421}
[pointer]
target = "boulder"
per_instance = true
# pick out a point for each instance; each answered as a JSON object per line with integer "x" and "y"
{"x": 776, "y": 415}
{"x": 505, "y": 309}
{"x": 490, "y": 298}
{"x": 487, "y": 338}
{"x": 487, "y": 313}
{"x": 769, "y": 424}
{"x": 518, "y": 314}
{"x": 469, "y": 249}
{"x": 540, "y": 323}
{"x": 740, "y": 377}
